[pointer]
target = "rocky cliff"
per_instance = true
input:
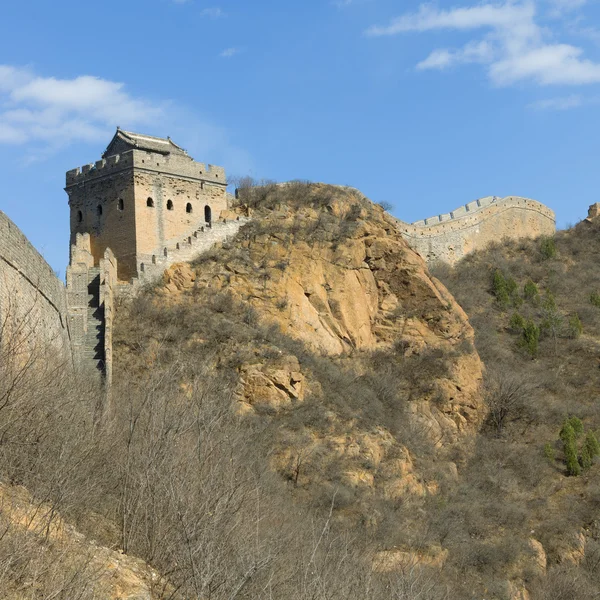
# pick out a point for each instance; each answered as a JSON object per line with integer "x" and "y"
{"x": 366, "y": 356}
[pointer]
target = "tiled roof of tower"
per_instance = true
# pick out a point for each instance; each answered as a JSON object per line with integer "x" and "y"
{"x": 141, "y": 141}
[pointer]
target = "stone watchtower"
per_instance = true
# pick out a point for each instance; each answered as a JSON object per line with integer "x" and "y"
{"x": 144, "y": 193}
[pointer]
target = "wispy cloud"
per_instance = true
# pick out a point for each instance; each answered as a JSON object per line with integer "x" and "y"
{"x": 212, "y": 13}
{"x": 230, "y": 52}
{"x": 566, "y": 103}
{"x": 43, "y": 114}
{"x": 60, "y": 111}
{"x": 514, "y": 48}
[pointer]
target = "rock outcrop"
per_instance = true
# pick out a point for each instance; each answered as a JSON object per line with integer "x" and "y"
{"x": 331, "y": 271}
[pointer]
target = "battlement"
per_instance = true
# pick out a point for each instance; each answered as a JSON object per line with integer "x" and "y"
{"x": 176, "y": 165}
{"x": 481, "y": 204}
{"x": 450, "y": 236}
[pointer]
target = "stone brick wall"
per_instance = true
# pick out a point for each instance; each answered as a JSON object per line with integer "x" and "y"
{"x": 77, "y": 292}
{"x": 451, "y": 236}
{"x": 109, "y": 199}
{"x": 161, "y": 225}
{"x": 108, "y": 286}
{"x": 189, "y": 247}
{"x": 32, "y": 298}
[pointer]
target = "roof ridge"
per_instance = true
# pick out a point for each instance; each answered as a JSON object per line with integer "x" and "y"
{"x": 143, "y": 141}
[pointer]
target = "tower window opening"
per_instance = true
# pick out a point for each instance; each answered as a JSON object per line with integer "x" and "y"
{"x": 99, "y": 210}
{"x": 79, "y": 216}
{"x": 120, "y": 204}
{"x": 188, "y": 207}
{"x": 150, "y": 203}
{"x": 207, "y": 214}
{"x": 169, "y": 204}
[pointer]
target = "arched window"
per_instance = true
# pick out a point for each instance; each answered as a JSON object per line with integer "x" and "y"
{"x": 99, "y": 210}
{"x": 169, "y": 204}
{"x": 188, "y": 207}
{"x": 150, "y": 203}
{"x": 120, "y": 204}
{"x": 166, "y": 252}
{"x": 207, "y": 214}
{"x": 79, "y": 216}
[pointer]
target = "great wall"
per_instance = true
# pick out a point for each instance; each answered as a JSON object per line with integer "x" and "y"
{"x": 146, "y": 205}
{"x": 451, "y": 236}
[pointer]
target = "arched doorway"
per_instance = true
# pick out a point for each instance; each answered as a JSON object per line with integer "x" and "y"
{"x": 207, "y": 214}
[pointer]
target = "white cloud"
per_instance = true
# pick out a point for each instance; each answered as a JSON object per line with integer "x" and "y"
{"x": 474, "y": 52}
{"x": 229, "y": 52}
{"x": 514, "y": 48}
{"x": 566, "y": 103}
{"x": 428, "y": 18}
{"x": 44, "y": 114}
{"x": 60, "y": 111}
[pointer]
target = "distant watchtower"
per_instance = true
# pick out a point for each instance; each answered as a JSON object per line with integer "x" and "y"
{"x": 143, "y": 193}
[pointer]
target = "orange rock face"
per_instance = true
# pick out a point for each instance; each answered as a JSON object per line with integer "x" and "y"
{"x": 340, "y": 279}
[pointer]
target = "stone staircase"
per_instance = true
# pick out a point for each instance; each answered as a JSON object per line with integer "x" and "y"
{"x": 186, "y": 248}
{"x": 93, "y": 346}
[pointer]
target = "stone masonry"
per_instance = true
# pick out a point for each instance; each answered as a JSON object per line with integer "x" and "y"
{"x": 451, "y": 236}
{"x": 142, "y": 196}
{"x": 146, "y": 205}
{"x": 33, "y": 303}
{"x": 90, "y": 300}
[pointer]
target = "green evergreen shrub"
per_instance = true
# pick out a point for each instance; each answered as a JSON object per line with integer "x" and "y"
{"x": 517, "y": 323}
{"x": 531, "y": 337}
{"x": 530, "y": 291}
{"x": 591, "y": 443}
{"x": 567, "y": 433}
{"x": 500, "y": 289}
{"x": 595, "y": 299}
{"x": 511, "y": 286}
{"x": 547, "y": 248}
{"x": 578, "y": 458}
{"x": 585, "y": 458}
{"x": 577, "y": 426}
{"x": 573, "y": 466}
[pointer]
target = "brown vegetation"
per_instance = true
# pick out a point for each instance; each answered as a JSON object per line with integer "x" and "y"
{"x": 258, "y": 443}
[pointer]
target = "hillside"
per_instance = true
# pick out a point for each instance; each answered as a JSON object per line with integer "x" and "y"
{"x": 357, "y": 368}
{"x": 516, "y": 484}
{"x": 306, "y": 412}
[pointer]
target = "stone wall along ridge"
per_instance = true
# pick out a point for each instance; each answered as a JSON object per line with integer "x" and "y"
{"x": 32, "y": 297}
{"x": 450, "y": 236}
{"x": 200, "y": 239}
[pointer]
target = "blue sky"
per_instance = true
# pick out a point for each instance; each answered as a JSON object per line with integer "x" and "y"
{"x": 426, "y": 106}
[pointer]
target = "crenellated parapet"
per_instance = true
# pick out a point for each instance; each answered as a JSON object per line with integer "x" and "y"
{"x": 450, "y": 236}
{"x": 151, "y": 162}
{"x": 145, "y": 192}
